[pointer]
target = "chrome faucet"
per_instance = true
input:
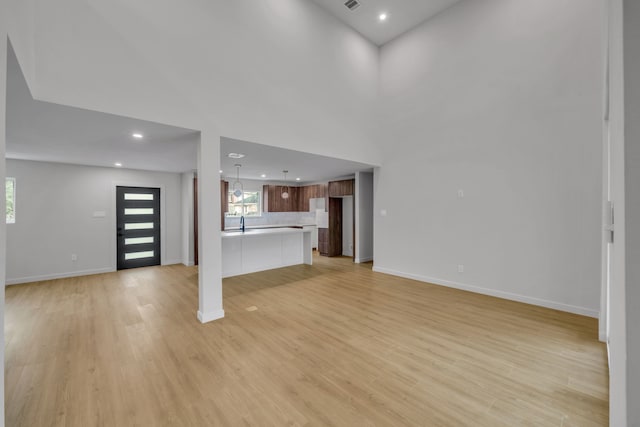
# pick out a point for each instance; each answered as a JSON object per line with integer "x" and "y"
{"x": 242, "y": 223}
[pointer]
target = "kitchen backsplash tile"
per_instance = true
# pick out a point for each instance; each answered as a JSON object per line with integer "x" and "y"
{"x": 273, "y": 218}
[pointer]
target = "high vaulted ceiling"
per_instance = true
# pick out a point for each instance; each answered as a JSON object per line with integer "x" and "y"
{"x": 43, "y": 131}
{"x": 402, "y": 15}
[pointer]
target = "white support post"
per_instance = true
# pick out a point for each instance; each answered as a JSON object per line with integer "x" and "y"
{"x": 209, "y": 241}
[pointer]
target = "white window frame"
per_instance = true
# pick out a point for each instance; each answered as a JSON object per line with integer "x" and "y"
{"x": 13, "y": 181}
{"x": 228, "y": 214}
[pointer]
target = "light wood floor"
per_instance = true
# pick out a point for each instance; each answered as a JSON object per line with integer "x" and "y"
{"x": 329, "y": 344}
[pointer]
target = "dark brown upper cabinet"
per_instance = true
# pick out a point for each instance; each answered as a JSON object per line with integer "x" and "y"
{"x": 298, "y": 200}
{"x": 341, "y": 188}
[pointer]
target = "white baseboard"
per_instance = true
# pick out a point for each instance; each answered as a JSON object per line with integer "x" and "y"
{"x": 29, "y": 279}
{"x": 494, "y": 293}
{"x": 361, "y": 260}
{"x": 189, "y": 263}
{"x": 602, "y": 336}
{"x": 172, "y": 261}
{"x": 210, "y": 316}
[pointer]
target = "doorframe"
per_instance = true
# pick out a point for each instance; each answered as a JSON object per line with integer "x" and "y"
{"x": 617, "y": 327}
{"x": 114, "y": 221}
{"x": 194, "y": 201}
{"x": 607, "y": 204}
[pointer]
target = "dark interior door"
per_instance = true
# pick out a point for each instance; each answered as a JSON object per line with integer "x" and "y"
{"x": 138, "y": 226}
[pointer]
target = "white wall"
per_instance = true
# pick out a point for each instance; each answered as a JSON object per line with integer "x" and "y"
{"x": 3, "y": 236}
{"x": 54, "y": 218}
{"x": 347, "y": 226}
{"x": 364, "y": 216}
{"x": 503, "y": 101}
{"x": 632, "y": 214}
{"x": 188, "y": 242}
{"x": 22, "y": 31}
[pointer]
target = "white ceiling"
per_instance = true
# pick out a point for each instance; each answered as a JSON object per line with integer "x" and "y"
{"x": 402, "y": 15}
{"x": 43, "y": 131}
{"x": 55, "y": 133}
{"x": 263, "y": 159}
{"x": 49, "y": 132}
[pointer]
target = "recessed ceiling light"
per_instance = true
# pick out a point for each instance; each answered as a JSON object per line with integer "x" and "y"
{"x": 297, "y": 179}
{"x": 117, "y": 164}
{"x": 235, "y": 155}
{"x": 263, "y": 175}
{"x": 382, "y": 17}
{"x": 137, "y": 135}
{"x": 220, "y": 170}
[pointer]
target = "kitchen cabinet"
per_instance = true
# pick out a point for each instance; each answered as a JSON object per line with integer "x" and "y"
{"x": 330, "y": 239}
{"x": 335, "y": 227}
{"x": 264, "y": 249}
{"x": 298, "y": 200}
{"x": 341, "y": 188}
{"x": 317, "y": 191}
{"x": 224, "y": 201}
{"x": 323, "y": 241}
{"x": 272, "y": 200}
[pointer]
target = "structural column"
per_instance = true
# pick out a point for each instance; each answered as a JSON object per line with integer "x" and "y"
{"x": 209, "y": 240}
{"x": 3, "y": 229}
{"x": 617, "y": 292}
{"x": 631, "y": 55}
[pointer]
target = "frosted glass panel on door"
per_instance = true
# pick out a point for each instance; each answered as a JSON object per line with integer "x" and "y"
{"x": 138, "y": 211}
{"x": 137, "y": 240}
{"x": 139, "y": 226}
{"x": 137, "y": 196}
{"x": 138, "y": 255}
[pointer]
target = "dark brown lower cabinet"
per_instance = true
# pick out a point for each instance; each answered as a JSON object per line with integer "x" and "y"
{"x": 330, "y": 239}
{"x": 335, "y": 226}
{"x": 323, "y": 241}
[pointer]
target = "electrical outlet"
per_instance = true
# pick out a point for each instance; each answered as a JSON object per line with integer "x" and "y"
{"x": 74, "y": 257}
{"x": 460, "y": 268}
{"x": 461, "y": 193}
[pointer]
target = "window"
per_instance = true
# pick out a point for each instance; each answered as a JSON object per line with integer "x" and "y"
{"x": 252, "y": 205}
{"x": 10, "y": 192}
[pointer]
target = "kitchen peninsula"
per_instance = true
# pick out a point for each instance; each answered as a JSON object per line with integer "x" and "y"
{"x": 259, "y": 249}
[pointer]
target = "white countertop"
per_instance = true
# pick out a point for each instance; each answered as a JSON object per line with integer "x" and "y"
{"x": 253, "y": 227}
{"x": 262, "y": 232}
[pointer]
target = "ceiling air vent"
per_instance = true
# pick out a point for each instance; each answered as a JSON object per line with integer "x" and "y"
{"x": 352, "y": 4}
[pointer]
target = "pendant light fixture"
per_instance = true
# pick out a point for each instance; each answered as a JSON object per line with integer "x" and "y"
{"x": 238, "y": 189}
{"x": 285, "y": 187}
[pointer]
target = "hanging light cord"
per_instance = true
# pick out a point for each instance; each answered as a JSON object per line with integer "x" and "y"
{"x": 285, "y": 188}
{"x": 238, "y": 189}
